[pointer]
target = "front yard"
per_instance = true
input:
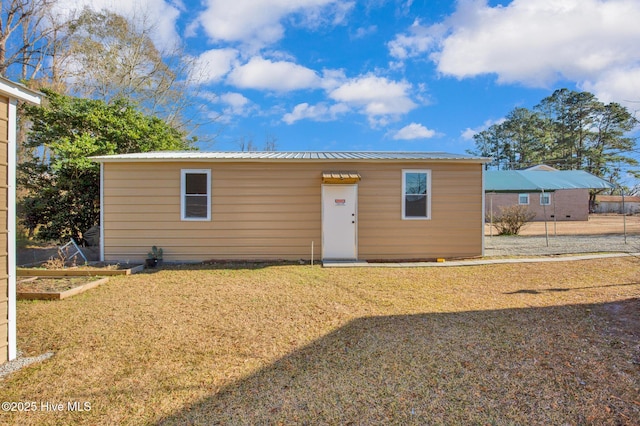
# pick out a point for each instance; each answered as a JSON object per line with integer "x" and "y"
{"x": 549, "y": 343}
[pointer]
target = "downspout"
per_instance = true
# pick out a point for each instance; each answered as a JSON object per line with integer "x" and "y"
{"x": 555, "y": 216}
{"x": 544, "y": 213}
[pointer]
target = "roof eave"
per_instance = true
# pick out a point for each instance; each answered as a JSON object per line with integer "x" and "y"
{"x": 115, "y": 159}
{"x": 19, "y": 91}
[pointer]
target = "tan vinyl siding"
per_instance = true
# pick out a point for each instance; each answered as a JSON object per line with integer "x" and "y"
{"x": 4, "y": 248}
{"x": 456, "y": 214}
{"x": 263, "y": 210}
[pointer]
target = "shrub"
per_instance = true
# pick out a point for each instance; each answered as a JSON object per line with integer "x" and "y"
{"x": 511, "y": 219}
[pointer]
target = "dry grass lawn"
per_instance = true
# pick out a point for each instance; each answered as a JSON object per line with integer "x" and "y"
{"x": 555, "y": 343}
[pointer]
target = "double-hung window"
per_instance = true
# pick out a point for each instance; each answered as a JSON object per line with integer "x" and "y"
{"x": 523, "y": 199}
{"x": 416, "y": 194}
{"x": 195, "y": 194}
{"x": 545, "y": 199}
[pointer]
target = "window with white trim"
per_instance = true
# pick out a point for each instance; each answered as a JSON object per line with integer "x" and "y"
{"x": 416, "y": 194}
{"x": 545, "y": 198}
{"x": 195, "y": 194}
{"x": 523, "y": 199}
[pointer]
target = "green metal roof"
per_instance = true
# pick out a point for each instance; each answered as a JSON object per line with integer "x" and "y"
{"x": 538, "y": 181}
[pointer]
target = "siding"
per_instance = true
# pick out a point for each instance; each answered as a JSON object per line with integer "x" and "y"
{"x": 263, "y": 210}
{"x": 4, "y": 226}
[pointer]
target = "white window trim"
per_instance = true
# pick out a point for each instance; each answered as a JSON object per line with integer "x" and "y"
{"x": 547, "y": 194}
{"x": 525, "y": 195}
{"x": 404, "y": 183}
{"x": 183, "y": 184}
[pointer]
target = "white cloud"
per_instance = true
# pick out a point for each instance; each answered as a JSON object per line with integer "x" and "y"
{"x": 325, "y": 14}
{"x": 414, "y": 131}
{"x": 258, "y": 22}
{"x": 318, "y": 112}
{"x": 418, "y": 40}
{"x": 332, "y": 79}
{"x": 237, "y": 104}
{"x": 377, "y": 97}
{"x": 213, "y": 64}
{"x": 363, "y": 32}
{"x": 468, "y": 133}
{"x": 534, "y": 43}
{"x": 279, "y": 76}
{"x": 232, "y": 105}
{"x": 618, "y": 85}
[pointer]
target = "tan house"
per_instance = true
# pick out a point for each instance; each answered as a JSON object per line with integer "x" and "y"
{"x": 200, "y": 206}
{"x": 10, "y": 94}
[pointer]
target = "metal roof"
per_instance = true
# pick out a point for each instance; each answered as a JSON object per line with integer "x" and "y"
{"x": 538, "y": 181}
{"x": 20, "y": 91}
{"x": 617, "y": 198}
{"x": 289, "y": 156}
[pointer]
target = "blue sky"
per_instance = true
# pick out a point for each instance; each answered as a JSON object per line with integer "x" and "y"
{"x": 419, "y": 75}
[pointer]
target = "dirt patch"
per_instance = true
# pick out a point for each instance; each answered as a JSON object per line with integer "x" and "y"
{"x": 56, "y": 288}
{"x": 51, "y": 285}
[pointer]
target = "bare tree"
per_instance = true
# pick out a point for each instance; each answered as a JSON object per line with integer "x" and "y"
{"x": 245, "y": 143}
{"x": 270, "y": 143}
{"x": 27, "y": 29}
{"x": 100, "y": 55}
{"x": 115, "y": 57}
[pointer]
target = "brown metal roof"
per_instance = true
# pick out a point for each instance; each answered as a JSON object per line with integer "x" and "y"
{"x": 340, "y": 177}
{"x": 617, "y": 199}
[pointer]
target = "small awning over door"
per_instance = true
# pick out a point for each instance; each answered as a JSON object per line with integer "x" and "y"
{"x": 344, "y": 177}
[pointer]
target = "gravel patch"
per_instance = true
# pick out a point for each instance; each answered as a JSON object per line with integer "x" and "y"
{"x": 560, "y": 244}
{"x": 20, "y": 362}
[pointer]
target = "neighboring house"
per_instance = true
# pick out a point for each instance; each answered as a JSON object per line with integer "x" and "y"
{"x": 10, "y": 94}
{"x": 559, "y": 205}
{"x": 613, "y": 204}
{"x": 562, "y": 204}
{"x": 200, "y": 206}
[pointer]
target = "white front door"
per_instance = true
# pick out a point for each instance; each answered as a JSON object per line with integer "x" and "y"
{"x": 339, "y": 221}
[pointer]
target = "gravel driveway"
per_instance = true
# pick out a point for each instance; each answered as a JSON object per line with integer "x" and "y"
{"x": 560, "y": 244}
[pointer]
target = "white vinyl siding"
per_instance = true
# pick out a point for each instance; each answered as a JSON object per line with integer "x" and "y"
{"x": 416, "y": 194}
{"x": 195, "y": 194}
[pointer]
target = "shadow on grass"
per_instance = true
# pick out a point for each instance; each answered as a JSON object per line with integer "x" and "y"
{"x": 557, "y": 290}
{"x": 550, "y": 365}
{"x": 230, "y": 264}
